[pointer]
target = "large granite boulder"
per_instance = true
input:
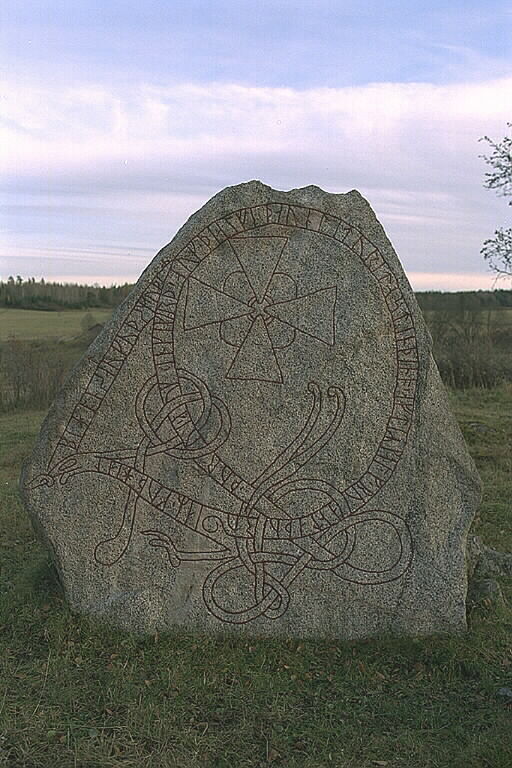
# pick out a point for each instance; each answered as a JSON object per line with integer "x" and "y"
{"x": 259, "y": 439}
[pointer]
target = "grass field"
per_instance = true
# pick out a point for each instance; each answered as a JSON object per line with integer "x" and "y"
{"x": 27, "y": 324}
{"x": 76, "y": 693}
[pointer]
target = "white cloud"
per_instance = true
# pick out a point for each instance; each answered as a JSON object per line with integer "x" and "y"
{"x": 128, "y": 166}
{"x": 454, "y": 281}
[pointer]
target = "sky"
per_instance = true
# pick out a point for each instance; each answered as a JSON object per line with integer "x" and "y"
{"x": 120, "y": 118}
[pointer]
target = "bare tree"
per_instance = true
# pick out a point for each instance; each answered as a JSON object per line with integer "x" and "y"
{"x": 497, "y": 251}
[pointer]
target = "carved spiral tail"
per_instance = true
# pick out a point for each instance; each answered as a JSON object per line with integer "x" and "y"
{"x": 110, "y": 551}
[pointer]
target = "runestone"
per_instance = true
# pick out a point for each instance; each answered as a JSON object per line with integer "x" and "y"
{"x": 259, "y": 439}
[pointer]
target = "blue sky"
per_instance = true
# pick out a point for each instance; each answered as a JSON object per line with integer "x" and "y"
{"x": 119, "y": 119}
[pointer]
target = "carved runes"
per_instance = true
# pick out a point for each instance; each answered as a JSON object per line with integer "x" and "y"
{"x": 259, "y": 438}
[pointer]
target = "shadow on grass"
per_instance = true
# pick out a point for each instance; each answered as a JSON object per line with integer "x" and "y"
{"x": 42, "y": 577}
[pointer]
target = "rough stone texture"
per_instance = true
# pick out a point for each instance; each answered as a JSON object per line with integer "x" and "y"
{"x": 259, "y": 440}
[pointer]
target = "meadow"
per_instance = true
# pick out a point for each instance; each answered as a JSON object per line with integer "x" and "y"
{"x": 75, "y": 692}
{"x": 25, "y": 325}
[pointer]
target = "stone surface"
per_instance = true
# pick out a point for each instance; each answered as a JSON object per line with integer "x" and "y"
{"x": 259, "y": 440}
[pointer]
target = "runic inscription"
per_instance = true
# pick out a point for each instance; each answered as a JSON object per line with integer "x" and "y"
{"x": 236, "y": 278}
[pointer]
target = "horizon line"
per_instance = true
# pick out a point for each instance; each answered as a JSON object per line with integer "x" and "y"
{"x": 421, "y": 282}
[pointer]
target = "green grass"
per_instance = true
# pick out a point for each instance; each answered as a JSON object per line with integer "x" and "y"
{"x": 74, "y": 692}
{"x": 485, "y": 416}
{"x": 28, "y": 324}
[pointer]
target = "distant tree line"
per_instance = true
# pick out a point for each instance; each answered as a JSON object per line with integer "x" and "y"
{"x": 38, "y": 294}
{"x": 464, "y": 301}
{"x": 18, "y": 293}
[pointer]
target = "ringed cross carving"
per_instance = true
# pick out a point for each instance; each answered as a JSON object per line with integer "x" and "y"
{"x": 258, "y": 309}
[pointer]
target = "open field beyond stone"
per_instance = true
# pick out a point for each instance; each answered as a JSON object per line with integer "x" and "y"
{"x": 76, "y": 693}
{"x": 27, "y": 324}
